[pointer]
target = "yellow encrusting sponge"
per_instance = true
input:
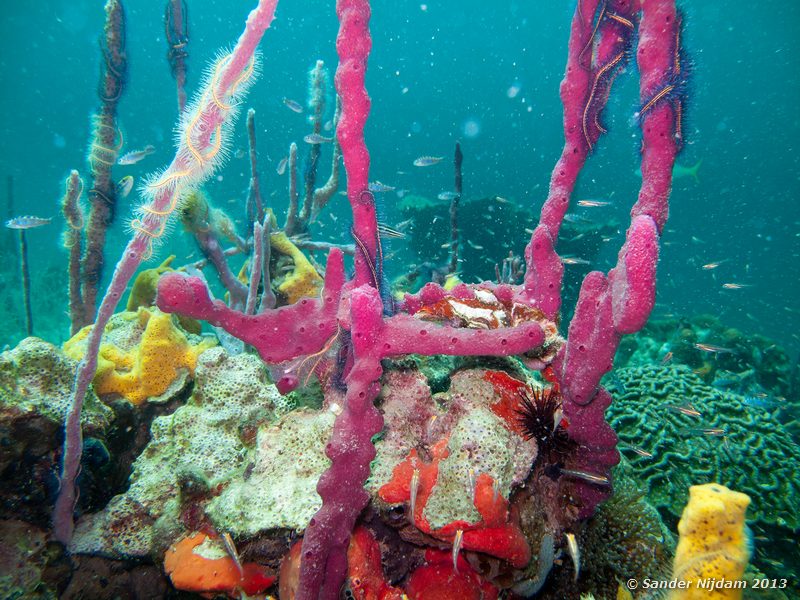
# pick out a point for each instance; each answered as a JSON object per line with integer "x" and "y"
{"x": 148, "y": 369}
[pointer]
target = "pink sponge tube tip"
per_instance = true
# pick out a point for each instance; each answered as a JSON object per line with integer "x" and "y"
{"x": 633, "y": 282}
{"x": 185, "y": 295}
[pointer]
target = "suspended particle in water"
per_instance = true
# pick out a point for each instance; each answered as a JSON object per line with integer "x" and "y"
{"x": 471, "y": 128}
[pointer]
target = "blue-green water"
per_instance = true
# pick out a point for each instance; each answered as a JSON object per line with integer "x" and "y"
{"x": 440, "y": 72}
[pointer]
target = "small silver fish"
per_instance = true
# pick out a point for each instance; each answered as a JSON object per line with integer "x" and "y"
{"x": 474, "y": 246}
{"x": 713, "y": 349}
{"x": 502, "y": 200}
{"x": 458, "y": 541}
{"x": 292, "y": 105}
{"x": 687, "y": 409}
{"x": 414, "y": 491}
{"x": 586, "y": 476}
{"x": 637, "y": 450}
{"x": 124, "y": 186}
{"x": 593, "y": 203}
{"x": 573, "y": 260}
{"x": 281, "y": 169}
{"x": 447, "y": 196}
{"x": 315, "y": 138}
{"x": 427, "y": 161}
{"x": 387, "y": 232}
{"x": 131, "y": 158}
{"x": 471, "y": 481}
{"x": 376, "y": 187}
{"x": 734, "y": 286}
{"x": 574, "y": 553}
{"x": 230, "y": 548}
{"x": 573, "y": 218}
{"x": 710, "y": 431}
{"x": 27, "y": 222}
{"x": 712, "y": 265}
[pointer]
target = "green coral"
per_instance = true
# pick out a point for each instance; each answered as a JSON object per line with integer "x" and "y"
{"x": 35, "y": 394}
{"x": 749, "y": 360}
{"x": 624, "y": 539}
{"x": 280, "y": 491}
{"x": 743, "y": 447}
{"x": 201, "y": 445}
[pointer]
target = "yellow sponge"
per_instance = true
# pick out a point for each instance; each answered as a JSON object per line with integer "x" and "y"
{"x": 713, "y": 549}
{"x": 304, "y": 281}
{"x": 149, "y": 368}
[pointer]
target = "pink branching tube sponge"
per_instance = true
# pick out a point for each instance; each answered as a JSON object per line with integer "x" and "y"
{"x": 497, "y": 320}
{"x": 353, "y": 45}
{"x": 201, "y": 147}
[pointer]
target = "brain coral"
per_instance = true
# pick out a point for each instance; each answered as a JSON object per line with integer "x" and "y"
{"x": 738, "y": 445}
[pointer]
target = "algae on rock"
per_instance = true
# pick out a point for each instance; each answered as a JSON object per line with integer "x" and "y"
{"x": 202, "y": 444}
{"x": 36, "y": 381}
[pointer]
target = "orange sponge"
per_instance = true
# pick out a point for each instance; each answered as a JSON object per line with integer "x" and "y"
{"x": 200, "y": 563}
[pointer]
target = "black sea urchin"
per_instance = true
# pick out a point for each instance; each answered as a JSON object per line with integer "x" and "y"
{"x": 541, "y": 419}
{"x": 538, "y": 413}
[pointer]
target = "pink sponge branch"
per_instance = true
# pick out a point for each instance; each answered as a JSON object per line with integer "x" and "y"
{"x": 353, "y": 45}
{"x": 326, "y": 539}
{"x": 279, "y": 334}
{"x": 621, "y": 303}
{"x": 659, "y": 60}
{"x": 591, "y": 341}
{"x": 633, "y": 281}
{"x": 404, "y": 334}
{"x": 608, "y": 25}
{"x": 542, "y": 284}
